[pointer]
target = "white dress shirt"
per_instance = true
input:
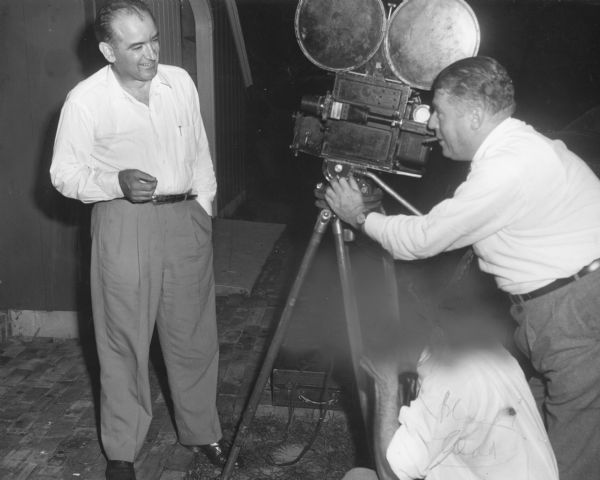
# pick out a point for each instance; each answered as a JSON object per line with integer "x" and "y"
{"x": 103, "y": 129}
{"x": 529, "y": 206}
{"x": 474, "y": 418}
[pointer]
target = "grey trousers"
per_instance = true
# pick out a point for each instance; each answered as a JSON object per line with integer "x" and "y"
{"x": 560, "y": 333}
{"x": 152, "y": 264}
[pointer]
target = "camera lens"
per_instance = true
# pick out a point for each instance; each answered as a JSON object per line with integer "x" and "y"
{"x": 421, "y": 113}
{"x": 312, "y": 104}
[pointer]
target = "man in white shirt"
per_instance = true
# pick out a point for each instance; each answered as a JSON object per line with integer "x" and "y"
{"x": 131, "y": 140}
{"x": 531, "y": 210}
{"x": 473, "y": 417}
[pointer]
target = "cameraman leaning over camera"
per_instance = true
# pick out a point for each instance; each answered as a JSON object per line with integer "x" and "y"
{"x": 531, "y": 210}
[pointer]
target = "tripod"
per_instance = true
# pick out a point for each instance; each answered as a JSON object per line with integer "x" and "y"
{"x": 341, "y": 235}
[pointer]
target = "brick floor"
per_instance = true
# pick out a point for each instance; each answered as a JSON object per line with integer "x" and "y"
{"x": 48, "y": 392}
{"x": 49, "y": 388}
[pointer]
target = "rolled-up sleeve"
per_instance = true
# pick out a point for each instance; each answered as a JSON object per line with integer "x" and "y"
{"x": 72, "y": 170}
{"x": 205, "y": 182}
{"x": 479, "y": 208}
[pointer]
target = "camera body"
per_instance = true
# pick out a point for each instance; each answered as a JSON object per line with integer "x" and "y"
{"x": 367, "y": 121}
{"x": 383, "y": 62}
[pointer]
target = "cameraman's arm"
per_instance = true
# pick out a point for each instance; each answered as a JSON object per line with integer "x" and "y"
{"x": 385, "y": 372}
{"x": 478, "y": 209}
{"x": 387, "y": 406}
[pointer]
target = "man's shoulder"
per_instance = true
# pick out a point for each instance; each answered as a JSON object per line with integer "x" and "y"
{"x": 173, "y": 74}
{"x": 517, "y": 135}
{"x": 471, "y": 366}
{"x": 511, "y": 149}
{"x": 95, "y": 87}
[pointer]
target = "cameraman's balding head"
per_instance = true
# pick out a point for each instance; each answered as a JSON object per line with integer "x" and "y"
{"x": 471, "y": 97}
{"x": 478, "y": 81}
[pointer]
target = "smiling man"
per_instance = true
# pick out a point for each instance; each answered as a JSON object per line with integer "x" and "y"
{"x": 531, "y": 210}
{"x": 131, "y": 140}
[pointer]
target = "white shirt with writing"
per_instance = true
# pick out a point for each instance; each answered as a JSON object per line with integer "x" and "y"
{"x": 103, "y": 129}
{"x": 474, "y": 418}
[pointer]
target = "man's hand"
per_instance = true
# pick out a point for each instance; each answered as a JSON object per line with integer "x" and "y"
{"x": 385, "y": 415}
{"x": 385, "y": 374}
{"x": 387, "y": 364}
{"x": 345, "y": 199}
{"x": 137, "y": 186}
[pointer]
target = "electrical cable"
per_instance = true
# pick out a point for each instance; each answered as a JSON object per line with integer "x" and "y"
{"x": 323, "y": 408}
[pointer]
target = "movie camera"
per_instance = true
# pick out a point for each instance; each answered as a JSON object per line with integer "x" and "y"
{"x": 374, "y": 117}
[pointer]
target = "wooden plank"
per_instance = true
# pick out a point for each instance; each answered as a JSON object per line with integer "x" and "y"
{"x": 240, "y": 46}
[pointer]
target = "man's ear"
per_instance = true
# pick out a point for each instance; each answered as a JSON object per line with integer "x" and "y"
{"x": 477, "y": 117}
{"x": 107, "y": 51}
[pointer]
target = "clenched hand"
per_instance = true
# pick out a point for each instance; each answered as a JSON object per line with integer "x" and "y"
{"x": 137, "y": 186}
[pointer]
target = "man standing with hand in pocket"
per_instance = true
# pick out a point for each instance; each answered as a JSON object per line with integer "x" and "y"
{"x": 131, "y": 140}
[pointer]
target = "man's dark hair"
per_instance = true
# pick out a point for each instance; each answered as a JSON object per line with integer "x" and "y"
{"x": 106, "y": 14}
{"x": 478, "y": 80}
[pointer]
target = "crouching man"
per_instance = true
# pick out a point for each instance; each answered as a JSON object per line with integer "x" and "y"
{"x": 474, "y": 416}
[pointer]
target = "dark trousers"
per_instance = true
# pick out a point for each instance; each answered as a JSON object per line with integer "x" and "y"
{"x": 152, "y": 264}
{"x": 560, "y": 333}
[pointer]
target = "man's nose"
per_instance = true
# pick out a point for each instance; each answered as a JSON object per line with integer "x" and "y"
{"x": 432, "y": 123}
{"x": 151, "y": 52}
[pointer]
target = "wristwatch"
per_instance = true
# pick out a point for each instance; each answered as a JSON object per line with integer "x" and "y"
{"x": 361, "y": 218}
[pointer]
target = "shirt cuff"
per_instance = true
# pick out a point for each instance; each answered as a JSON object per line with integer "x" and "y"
{"x": 373, "y": 224}
{"x": 109, "y": 183}
{"x": 205, "y": 203}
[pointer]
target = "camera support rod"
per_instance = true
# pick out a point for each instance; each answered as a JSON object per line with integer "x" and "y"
{"x": 387, "y": 189}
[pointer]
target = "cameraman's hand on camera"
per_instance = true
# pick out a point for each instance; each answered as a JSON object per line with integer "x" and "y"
{"x": 345, "y": 199}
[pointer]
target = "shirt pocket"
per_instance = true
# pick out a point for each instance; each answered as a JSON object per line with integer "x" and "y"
{"x": 187, "y": 142}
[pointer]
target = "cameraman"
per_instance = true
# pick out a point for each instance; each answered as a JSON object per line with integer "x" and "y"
{"x": 531, "y": 210}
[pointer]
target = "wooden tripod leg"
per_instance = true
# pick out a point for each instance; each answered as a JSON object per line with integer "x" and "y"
{"x": 265, "y": 371}
{"x": 352, "y": 317}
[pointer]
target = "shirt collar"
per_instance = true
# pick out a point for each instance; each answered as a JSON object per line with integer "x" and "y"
{"x": 497, "y": 133}
{"x": 161, "y": 78}
{"x": 117, "y": 91}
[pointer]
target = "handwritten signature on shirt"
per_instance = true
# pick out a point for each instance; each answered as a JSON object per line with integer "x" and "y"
{"x": 481, "y": 444}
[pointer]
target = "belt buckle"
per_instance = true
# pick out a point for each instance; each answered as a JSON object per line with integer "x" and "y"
{"x": 592, "y": 267}
{"x": 170, "y": 198}
{"x": 160, "y": 199}
{"x": 517, "y": 299}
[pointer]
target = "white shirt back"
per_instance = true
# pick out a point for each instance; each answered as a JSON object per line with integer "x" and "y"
{"x": 474, "y": 418}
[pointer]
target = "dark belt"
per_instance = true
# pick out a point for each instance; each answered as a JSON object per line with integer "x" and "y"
{"x": 561, "y": 282}
{"x": 173, "y": 198}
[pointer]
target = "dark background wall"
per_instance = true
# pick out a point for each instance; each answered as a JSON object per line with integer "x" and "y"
{"x": 551, "y": 48}
{"x": 46, "y": 48}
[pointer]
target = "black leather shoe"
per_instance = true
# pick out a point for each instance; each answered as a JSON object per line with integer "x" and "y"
{"x": 216, "y": 452}
{"x": 119, "y": 470}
